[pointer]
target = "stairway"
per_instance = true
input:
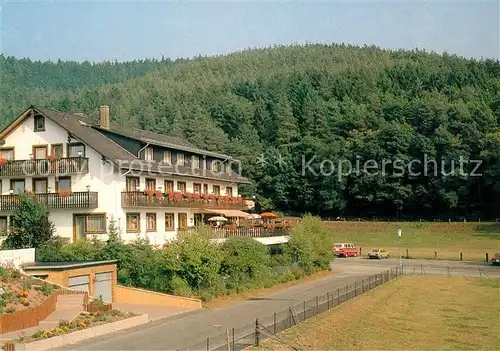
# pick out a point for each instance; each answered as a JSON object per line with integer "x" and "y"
{"x": 68, "y": 307}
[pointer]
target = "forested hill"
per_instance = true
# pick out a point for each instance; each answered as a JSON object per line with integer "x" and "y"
{"x": 301, "y": 105}
{"x": 24, "y": 82}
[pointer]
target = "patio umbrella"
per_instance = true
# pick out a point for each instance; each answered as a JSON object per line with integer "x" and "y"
{"x": 217, "y": 219}
{"x": 268, "y": 215}
{"x": 253, "y": 216}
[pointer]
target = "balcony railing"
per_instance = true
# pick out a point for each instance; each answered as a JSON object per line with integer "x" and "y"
{"x": 142, "y": 199}
{"x": 226, "y": 233}
{"x": 79, "y": 199}
{"x": 43, "y": 167}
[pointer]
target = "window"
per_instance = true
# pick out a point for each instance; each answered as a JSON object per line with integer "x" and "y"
{"x": 151, "y": 222}
{"x": 150, "y": 184}
{"x": 229, "y": 191}
{"x": 39, "y": 123}
{"x": 205, "y": 188}
{"x": 57, "y": 150}
{"x": 167, "y": 156}
{"x": 215, "y": 165}
{"x": 95, "y": 224}
{"x": 180, "y": 159}
{"x": 63, "y": 185}
{"x": 197, "y": 188}
{"x": 148, "y": 154}
{"x": 198, "y": 219}
{"x": 133, "y": 222}
{"x": 3, "y": 225}
{"x": 169, "y": 186}
{"x": 196, "y": 162}
{"x": 40, "y": 185}
{"x": 169, "y": 221}
{"x": 17, "y": 185}
{"x": 132, "y": 183}
{"x": 40, "y": 152}
{"x": 216, "y": 189}
{"x": 182, "y": 220}
{"x": 7, "y": 154}
{"x": 181, "y": 186}
{"x": 76, "y": 150}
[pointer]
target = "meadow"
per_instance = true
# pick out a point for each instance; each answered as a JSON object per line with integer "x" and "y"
{"x": 462, "y": 314}
{"x": 422, "y": 239}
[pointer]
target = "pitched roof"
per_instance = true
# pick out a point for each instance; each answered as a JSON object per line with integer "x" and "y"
{"x": 159, "y": 139}
{"x": 81, "y": 128}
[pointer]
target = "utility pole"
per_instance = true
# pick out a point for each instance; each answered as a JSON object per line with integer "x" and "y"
{"x": 399, "y": 248}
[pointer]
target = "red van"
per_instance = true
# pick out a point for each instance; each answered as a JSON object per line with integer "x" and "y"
{"x": 345, "y": 250}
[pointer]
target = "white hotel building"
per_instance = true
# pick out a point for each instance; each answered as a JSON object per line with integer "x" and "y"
{"x": 85, "y": 173}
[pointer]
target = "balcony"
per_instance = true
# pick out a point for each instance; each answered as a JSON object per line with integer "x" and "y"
{"x": 44, "y": 167}
{"x": 79, "y": 199}
{"x": 144, "y": 199}
{"x": 226, "y": 233}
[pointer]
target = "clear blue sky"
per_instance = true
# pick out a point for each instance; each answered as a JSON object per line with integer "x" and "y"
{"x": 126, "y": 30}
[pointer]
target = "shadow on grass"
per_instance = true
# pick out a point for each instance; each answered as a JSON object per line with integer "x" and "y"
{"x": 488, "y": 230}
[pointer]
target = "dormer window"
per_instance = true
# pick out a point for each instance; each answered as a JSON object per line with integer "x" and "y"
{"x": 39, "y": 123}
{"x": 180, "y": 159}
{"x": 216, "y": 165}
{"x": 167, "y": 156}
{"x": 148, "y": 154}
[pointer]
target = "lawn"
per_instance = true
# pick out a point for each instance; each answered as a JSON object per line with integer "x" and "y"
{"x": 422, "y": 239}
{"x": 462, "y": 314}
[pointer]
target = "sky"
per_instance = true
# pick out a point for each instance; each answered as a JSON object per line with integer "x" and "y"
{"x": 127, "y": 30}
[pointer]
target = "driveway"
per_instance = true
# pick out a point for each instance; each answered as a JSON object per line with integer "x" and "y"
{"x": 183, "y": 331}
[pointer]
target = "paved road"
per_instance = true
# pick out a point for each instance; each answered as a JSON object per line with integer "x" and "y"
{"x": 193, "y": 328}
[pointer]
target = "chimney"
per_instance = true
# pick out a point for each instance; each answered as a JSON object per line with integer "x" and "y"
{"x": 104, "y": 116}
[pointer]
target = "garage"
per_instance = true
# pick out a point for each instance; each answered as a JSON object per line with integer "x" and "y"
{"x": 103, "y": 286}
{"x": 80, "y": 283}
{"x": 97, "y": 278}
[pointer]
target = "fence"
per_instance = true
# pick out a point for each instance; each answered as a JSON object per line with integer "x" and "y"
{"x": 251, "y": 334}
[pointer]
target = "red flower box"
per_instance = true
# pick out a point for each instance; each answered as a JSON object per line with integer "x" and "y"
{"x": 149, "y": 192}
{"x": 3, "y": 161}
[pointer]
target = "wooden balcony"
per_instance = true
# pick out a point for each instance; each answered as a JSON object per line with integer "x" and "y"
{"x": 141, "y": 199}
{"x": 79, "y": 199}
{"x": 44, "y": 167}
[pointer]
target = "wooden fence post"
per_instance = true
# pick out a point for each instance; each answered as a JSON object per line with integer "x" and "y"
{"x": 460, "y": 256}
{"x": 274, "y": 323}
{"x": 208, "y": 344}
{"x": 487, "y": 257}
{"x": 257, "y": 333}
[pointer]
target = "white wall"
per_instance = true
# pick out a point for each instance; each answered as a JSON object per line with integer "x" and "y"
{"x": 15, "y": 258}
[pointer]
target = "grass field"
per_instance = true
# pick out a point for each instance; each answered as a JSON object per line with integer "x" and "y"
{"x": 463, "y": 314}
{"x": 423, "y": 239}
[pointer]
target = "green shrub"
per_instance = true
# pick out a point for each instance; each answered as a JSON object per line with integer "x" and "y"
{"x": 15, "y": 274}
{"x": 310, "y": 245}
{"x": 179, "y": 286}
{"x": 245, "y": 262}
{"x": 46, "y": 289}
{"x": 2, "y": 303}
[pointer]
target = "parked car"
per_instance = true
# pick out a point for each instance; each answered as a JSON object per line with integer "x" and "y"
{"x": 345, "y": 250}
{"x": 496, "y": 259}
{"x": 378, "y": 253}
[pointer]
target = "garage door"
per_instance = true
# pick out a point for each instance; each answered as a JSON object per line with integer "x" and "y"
{"x": 103, "y": 286}
{"x": 80, "y": 283}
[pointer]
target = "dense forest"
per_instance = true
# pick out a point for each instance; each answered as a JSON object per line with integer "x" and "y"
{"x": 290, "y": 113}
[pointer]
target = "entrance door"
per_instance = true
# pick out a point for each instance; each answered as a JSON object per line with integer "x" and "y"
{"x": 182, "y": 217}
{"x": 102, "y": 286}
{"x": 79, "y": 228}
{"x": 198, "y": 219}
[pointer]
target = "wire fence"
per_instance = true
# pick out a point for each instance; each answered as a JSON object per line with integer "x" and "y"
{"x": 251, "y": 334}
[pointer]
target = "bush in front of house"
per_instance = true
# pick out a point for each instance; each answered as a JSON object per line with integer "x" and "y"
{"x": 31, "y": 226}
{"x": 195, "y": 266}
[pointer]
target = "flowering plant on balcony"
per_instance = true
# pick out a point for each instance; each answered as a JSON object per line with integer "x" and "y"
{"x": 149, "y": 192}
{"x": 64, "y": 193}
{"x": 175, "y": 195}
{"x": 223, "y": 198}
{"x": 211, "y": 196}
{"x": 188, "y": 195}
{"x": 3, "y": 161}
{"x": 159, "y": 194}
{"x": 196, "y": 196}
{"x": 50, "y": 157}
{"x": 205, "y": 196}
